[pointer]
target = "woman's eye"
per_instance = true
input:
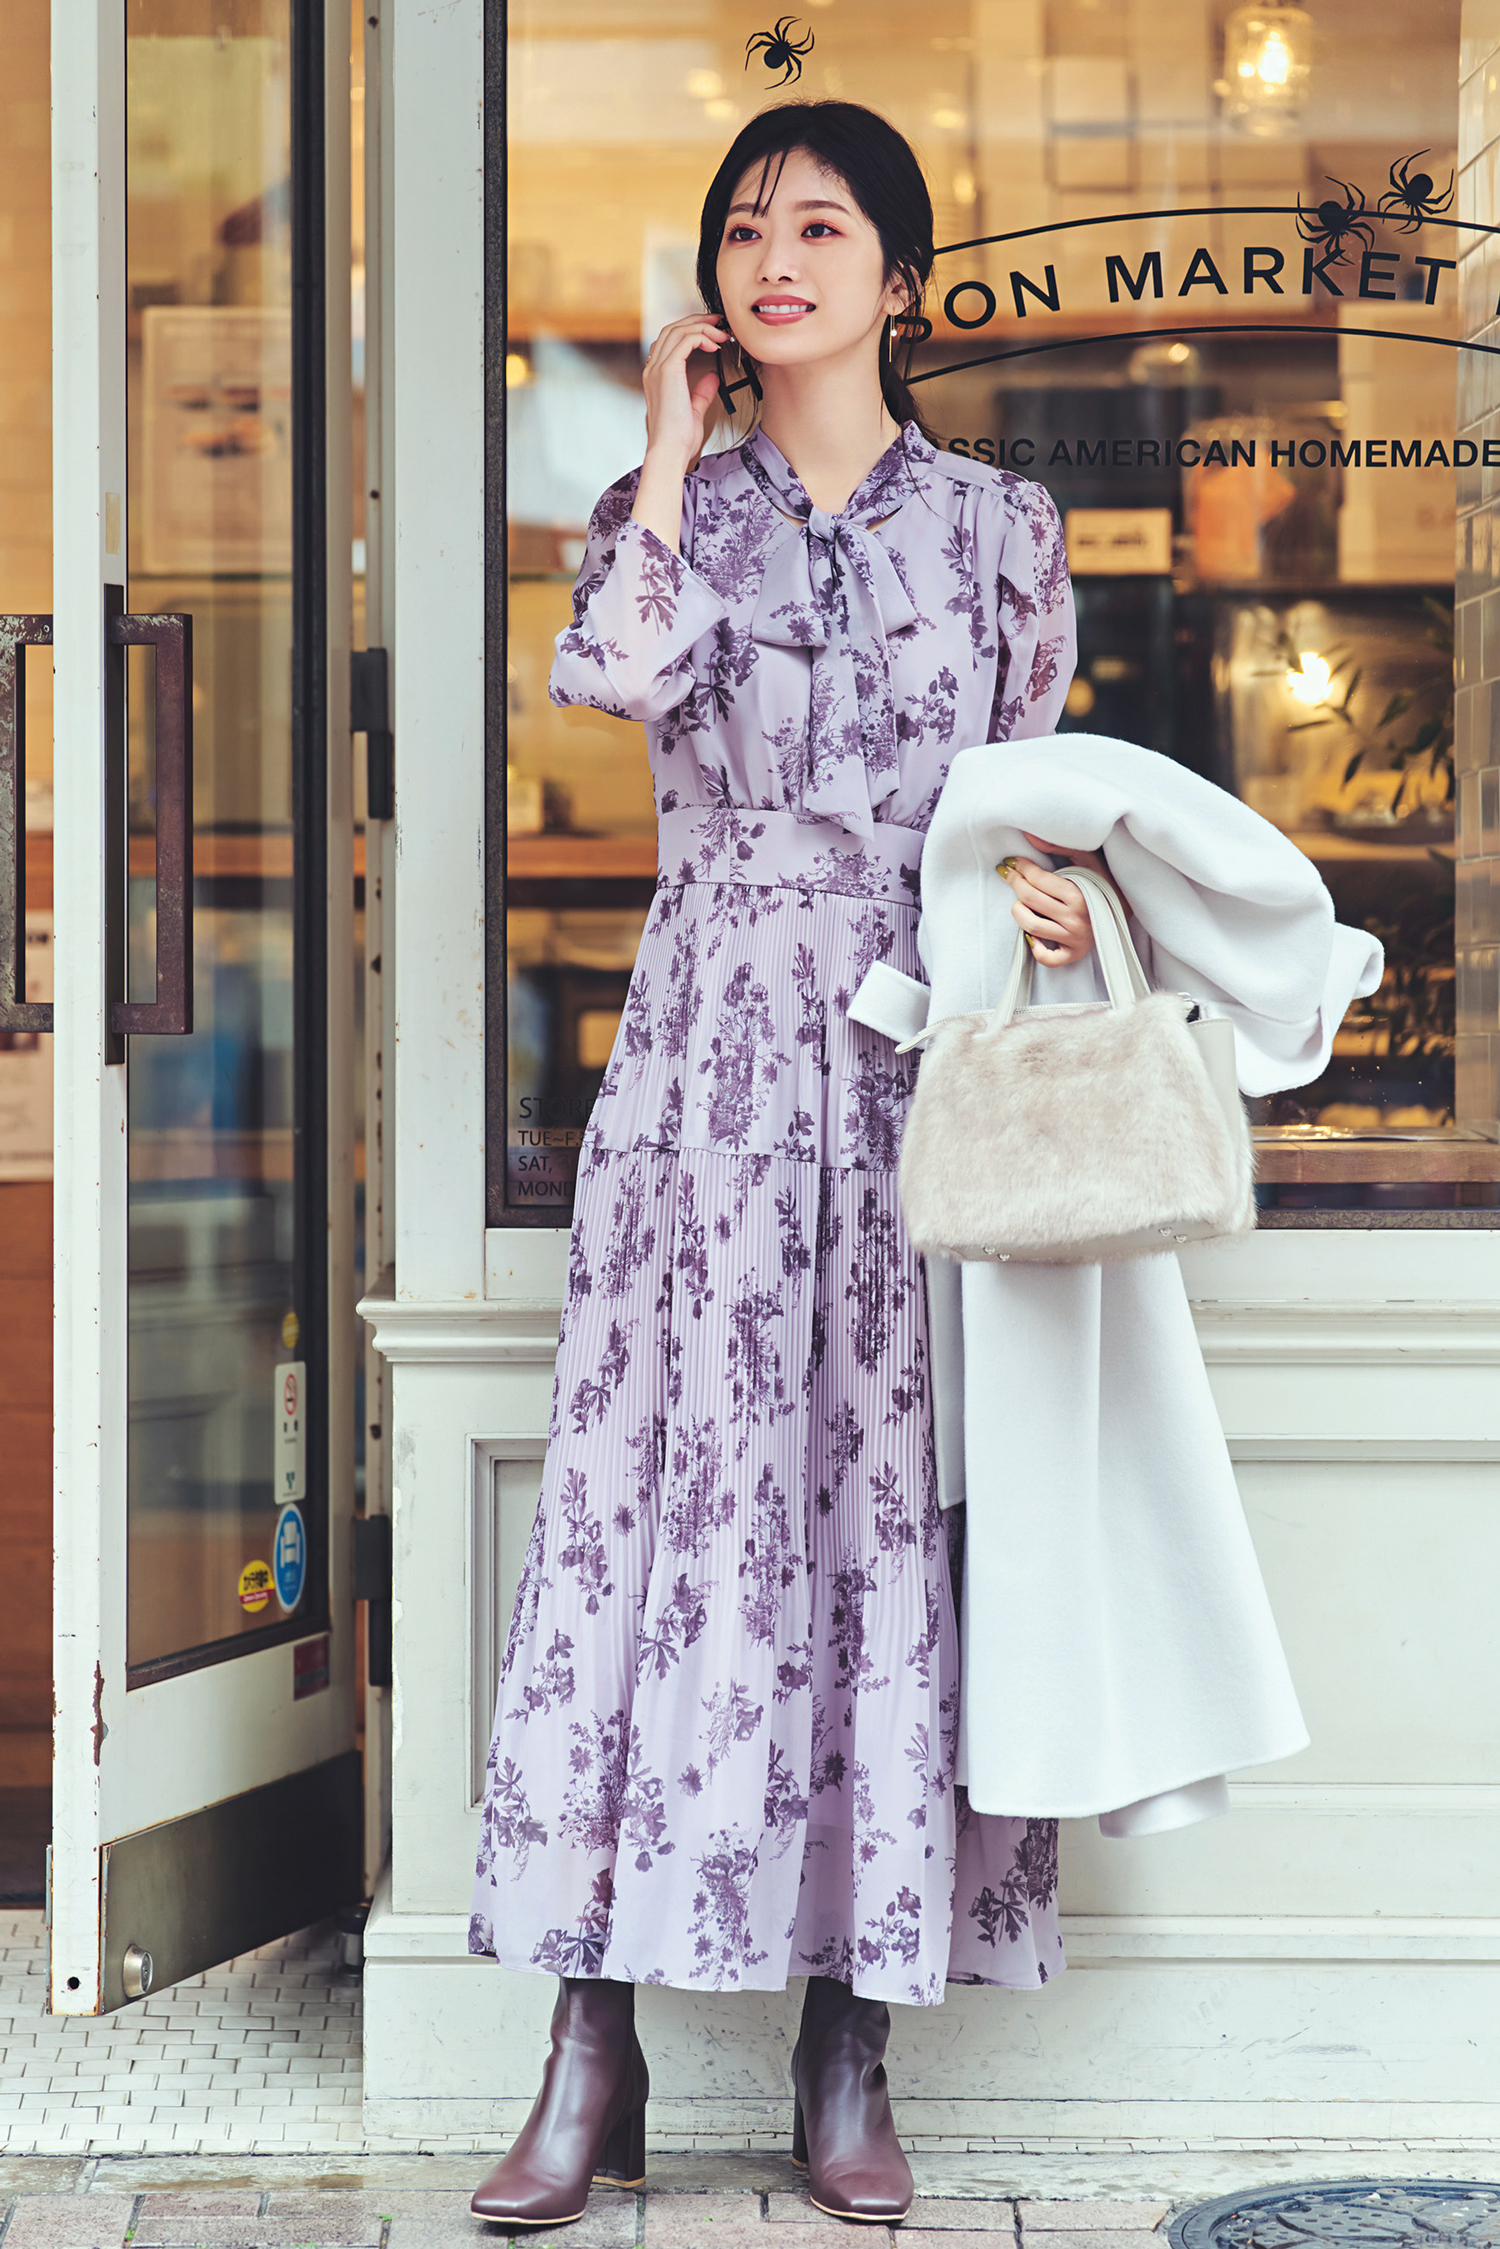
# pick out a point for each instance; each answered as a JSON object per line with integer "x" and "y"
{"x": 740, "y": 234}
{"x": 817, "y": 226}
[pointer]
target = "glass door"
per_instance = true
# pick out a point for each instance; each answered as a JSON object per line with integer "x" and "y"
{"x": 207, "y": 1781}
{"x": 218, "y": 1293}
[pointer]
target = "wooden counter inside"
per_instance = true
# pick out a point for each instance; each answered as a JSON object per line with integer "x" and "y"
{"x": 267, "y": 858}
{"x": 1355, "y": 1159}
{"x": 565, "y": 858}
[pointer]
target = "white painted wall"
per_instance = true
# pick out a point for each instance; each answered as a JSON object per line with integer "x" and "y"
{"x": 436, "y": 421}
{"x": 1322, "y": 1967}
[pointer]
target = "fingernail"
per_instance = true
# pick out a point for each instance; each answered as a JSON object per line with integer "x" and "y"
{"x": 1005, "y": 867}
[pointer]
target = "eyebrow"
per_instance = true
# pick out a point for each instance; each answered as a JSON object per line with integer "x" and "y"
{"x": 823, "y": 204}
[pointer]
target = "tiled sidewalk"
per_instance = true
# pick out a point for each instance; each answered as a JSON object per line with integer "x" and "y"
{"x": 226, "y": 2112}
{"x": 262, "y": 2054}
{"x": 99, "y": 2210}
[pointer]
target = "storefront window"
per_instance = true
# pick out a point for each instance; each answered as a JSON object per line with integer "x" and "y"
{"x": 1217, "y": 307}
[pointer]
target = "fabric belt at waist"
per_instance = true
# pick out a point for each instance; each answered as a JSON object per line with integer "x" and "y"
{"x": 707, "y": 843}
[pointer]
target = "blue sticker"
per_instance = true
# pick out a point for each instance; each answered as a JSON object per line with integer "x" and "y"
{"x": 290, "y": 1557}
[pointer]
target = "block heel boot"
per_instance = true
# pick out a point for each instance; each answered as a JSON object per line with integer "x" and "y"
{"x": 588, "y": 2122}
{"x": 842, "y": 2126}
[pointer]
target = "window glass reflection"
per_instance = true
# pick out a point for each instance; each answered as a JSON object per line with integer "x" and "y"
{"x": 212, "y": 1277}
{"x": 1247, "y": 406}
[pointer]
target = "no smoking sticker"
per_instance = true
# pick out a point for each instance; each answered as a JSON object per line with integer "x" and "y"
{"x": 288, "y": 1405}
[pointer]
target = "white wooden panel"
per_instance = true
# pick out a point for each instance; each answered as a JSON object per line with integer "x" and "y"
{"x": 91, "y": 1790}
{"x": 437, "y": 422}
{"x": 1160, "y": 2054}
{"x": 506, "y": 1478}
{"x": 1384, "y": 1579}
{"x": 1420, "y": 1267}
{"x": 443, "y": 1412}
{"x": 1323, "y": 1965}
{"x": 1320, "y": 1856}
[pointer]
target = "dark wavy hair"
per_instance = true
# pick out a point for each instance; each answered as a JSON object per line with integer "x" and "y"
{"x": 881, "y": 173}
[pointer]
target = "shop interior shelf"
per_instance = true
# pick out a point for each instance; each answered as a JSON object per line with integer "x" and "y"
{"x": 1300, "y": 1155}
{"x": 266, "y": 857}
{"x": 571, "y": 858}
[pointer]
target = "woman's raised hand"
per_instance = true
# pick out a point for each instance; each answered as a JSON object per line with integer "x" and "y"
{"x": 1052, "y": 910}
{"x": 678, "y": 393}
{"x": 678, "y": 397}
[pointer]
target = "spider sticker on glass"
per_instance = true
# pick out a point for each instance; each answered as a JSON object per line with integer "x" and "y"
{"x": 778, "y": 50}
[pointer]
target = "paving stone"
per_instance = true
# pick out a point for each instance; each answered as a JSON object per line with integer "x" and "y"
{"x": 934, "y": 2213}
{"x": 39, "y": 2174}
{"x": 70, "y": 2221}
{"x": 1091, "y": 2217}
{"x": 462, "y": 2230}
{"x": 218, "y": 2202}
{"x": 815, "y": 2229}
{"x": 607, "y": 2223}
{"x": 436, "y": 2210}
{"x": 761, "y": 2170}
{"x": 398, "y": 2180}
{"x": 332, "y": 2226}
{"x": 1094, "y": 2237}
{"x": 698, "y": 2221}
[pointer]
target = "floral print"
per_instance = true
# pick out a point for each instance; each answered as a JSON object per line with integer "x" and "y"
{"x": 725, "y": 1741}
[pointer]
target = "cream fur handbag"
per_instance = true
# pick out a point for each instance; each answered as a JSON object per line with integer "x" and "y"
{"x": 1073, "y": 1135}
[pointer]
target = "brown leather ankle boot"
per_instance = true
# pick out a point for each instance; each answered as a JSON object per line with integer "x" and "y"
{"x": 843, "y": 2129}
{"x": 588, "y": 2122}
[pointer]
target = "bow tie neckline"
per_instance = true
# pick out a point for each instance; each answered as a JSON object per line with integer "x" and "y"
{"x": 830, "y": 587}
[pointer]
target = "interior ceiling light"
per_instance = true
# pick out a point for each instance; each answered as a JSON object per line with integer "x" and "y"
{"x": 1267, "y": 65}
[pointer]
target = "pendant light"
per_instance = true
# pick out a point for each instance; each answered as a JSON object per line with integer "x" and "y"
{"x": 1267, "y": 65}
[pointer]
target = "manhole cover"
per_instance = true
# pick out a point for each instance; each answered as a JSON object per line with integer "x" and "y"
{"x": 1414, "y": 2213}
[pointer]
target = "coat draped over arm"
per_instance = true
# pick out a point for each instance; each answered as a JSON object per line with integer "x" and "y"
{"x": 1120, "y": 1655}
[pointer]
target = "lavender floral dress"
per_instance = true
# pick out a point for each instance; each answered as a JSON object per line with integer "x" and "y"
{"x": 724, "y": 1744}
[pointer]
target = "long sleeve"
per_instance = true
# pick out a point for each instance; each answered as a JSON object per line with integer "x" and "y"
{"x": 639, "y": 611}
{"x": 1036, "y": 619}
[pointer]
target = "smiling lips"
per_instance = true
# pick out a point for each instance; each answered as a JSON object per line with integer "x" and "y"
{"x": 780, "y": 312}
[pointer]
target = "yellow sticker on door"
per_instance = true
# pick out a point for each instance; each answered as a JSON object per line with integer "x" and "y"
{"x": 255, "y": 1586}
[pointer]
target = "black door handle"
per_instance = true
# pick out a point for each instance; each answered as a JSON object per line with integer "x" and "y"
{"x": 171, "y": 1012}
{"x": 17, "y": 1013}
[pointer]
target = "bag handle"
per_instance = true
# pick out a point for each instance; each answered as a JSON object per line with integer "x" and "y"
{"x": 1124, "y": 977}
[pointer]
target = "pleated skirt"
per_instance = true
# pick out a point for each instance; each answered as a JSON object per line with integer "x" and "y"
{"x": 724, "y": 1741}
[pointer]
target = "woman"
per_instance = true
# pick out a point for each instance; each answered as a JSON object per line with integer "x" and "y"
{"x": 724, "y": 1743}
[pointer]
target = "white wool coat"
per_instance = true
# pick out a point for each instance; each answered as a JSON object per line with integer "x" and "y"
{"x": 1119, "y": 1652}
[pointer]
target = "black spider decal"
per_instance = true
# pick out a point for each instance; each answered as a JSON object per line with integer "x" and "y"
{"x": 1411, "y": 194}
{"x": 778, "y": 51}
{"x": 1328, "y": 222}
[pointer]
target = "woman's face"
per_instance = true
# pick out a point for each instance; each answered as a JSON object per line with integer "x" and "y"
{"x": 804, "y": 277}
